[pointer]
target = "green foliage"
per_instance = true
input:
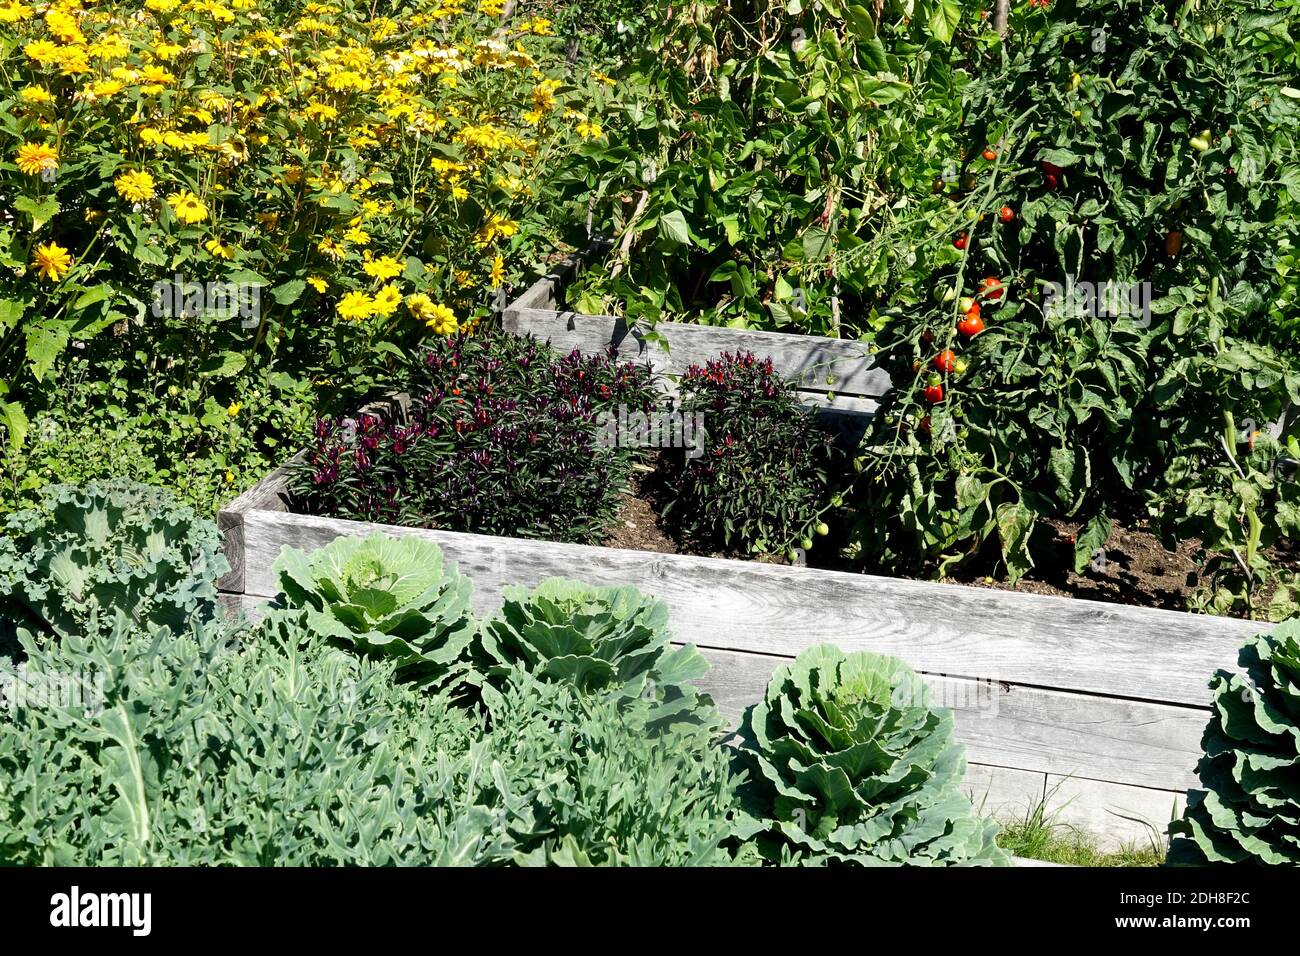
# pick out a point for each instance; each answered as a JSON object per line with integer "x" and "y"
{"x": 205, "y": 435}
{"x": 1071, "y": 407}
{"x": 383, "y": 596}
{"x": 82, "y": 554}
{"x": 598, "y": 779}
{"x": 599, "y": 640}
{"x": 763, "y": 158}
{"x": 172, "y": 761}
{"x": 1249, "y": 809}
{"x": 850, "y": 766}
{"x": 767, "y": 471}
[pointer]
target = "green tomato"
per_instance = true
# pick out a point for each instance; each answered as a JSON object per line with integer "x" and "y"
{"x": 822, "y": 528}
{"x": 806, "y": 544}
{"x": 1201, "y": 142}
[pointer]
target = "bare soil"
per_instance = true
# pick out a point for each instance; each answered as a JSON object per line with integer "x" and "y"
{"x": 1135, "y": 569}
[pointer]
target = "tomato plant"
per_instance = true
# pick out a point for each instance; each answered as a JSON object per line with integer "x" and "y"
{"x": 1079, "y": 401}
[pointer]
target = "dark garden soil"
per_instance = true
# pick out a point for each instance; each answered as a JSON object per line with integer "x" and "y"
{"x": 1136, "y": 568}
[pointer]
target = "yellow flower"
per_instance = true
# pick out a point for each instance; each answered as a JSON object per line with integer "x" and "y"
{"x": 14, "y": 11}
{"x": 52, "y": 261}
{"x": 188, "y": 208}
{"x": 218, "y": 249}
{"x": 497, "y": 275}
{"x": 439, "y": 318}
{"x": 233, "y": 408}
{"x": 385, "y": 267}
{"x": 43, "y": 52}
{"x": 356, "y": 306}
{"x": 317, "y": 283}
{"x": 229, "y": 476}
{"x": 496, "y": 226}
{"x": 104, "y": 88}
{"x": 135, "y": 186}
{"x": 35, "y": 158}
{"x": 387, "y": 300}
{"x": 589, "y": 130}
{"x": 37, "y": 95}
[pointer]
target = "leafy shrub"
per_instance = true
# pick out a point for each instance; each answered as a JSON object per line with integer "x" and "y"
{"x": 1249, "y": 811}
{"x": 599, "y": 639}
{"x": 504, "y": 437}
{"x": 767, "y": 471}
{"x": 390, "y": 597}
{"x": 850, "y": 766}
{"x": 206, "y": 439}
{"x": 605, "y": 782}
{"x": 168, "y": 761}
{"x": 1075, "y": 407}
{"x": 763, "y": 156}
{"x": 82, "y": 554}
{"x": 352, "y": 180}
{"x": 176, "y": 765}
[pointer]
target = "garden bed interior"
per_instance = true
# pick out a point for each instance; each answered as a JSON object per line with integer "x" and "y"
{"x": 1095, "y": 709}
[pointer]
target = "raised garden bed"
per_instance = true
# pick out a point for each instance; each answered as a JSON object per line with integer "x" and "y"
{"x": 1097, "y": 707}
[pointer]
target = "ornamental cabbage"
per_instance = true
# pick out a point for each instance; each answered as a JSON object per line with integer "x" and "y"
{"x": 390, "y": 597}
{"x": 849, "y": 765}
{"x": 1249, "y": 809}
{"x": 68, "y": 564}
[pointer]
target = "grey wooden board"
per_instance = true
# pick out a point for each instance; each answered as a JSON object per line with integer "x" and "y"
{"x": 1007, "y": 725}
{"x": 1003, "y": 793}
{"x": 1035, "y": 640}
{"x": 1114, "y": 813}
{"x": 817, "y": 364}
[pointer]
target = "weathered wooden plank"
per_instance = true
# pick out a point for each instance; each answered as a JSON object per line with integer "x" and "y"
{"x": 1008, "y": 725}
{"x": 1113, "y": 813}
{"x": 1047, "y": 642}
{"x": 815, "y": 363}
{"x": 1003, "y": 793}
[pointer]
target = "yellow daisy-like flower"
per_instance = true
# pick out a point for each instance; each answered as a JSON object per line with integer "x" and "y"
{"x": 356, "y": 306}
{"x": 14, "y": 12}
{"x": 52, "y": 261}
{"x": 218, "y": 249}
{"x": 43, "y": 52}
{"x": 188, "y": 208}
{"x": 386, "y": 300}
{"x": 135, "y": 186}
{"x": 439, "y": 318}
{"x": 589, "y": 130}
{"x": 498, "y": 273}
{"x": 385, "y": 267}
{"x": 233, "y": 408}
{"x": 37, "y": 95}
{"x": 317, "y": 283}
{"x": 102, "y": 89}
{"x": 36, "y": 158}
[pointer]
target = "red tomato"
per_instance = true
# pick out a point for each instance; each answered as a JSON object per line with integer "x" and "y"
{"x": 1006, "y": 214}
{"x": 946, "y": 361}
{"x": 988, "y": 154}
{"x": 1173, "y": 243}
{"x": 1051, "y": 180}
{"x": 991, "y": 288}
{"x": 959, "y": 240}
{"x": 933, "y": 394}
{"x": 971, "y": 326}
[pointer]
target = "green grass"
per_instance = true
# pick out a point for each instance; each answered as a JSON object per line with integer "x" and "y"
{"x": 1041, "y": 836}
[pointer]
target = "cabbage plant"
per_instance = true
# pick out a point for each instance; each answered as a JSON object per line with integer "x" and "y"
{"x": 849, "y": 765}
{"x": 1249, "y": 808}
{"x": 599, "y": 639}
{"x": 81, "y": 555}
{"x": 392, "y": 597}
